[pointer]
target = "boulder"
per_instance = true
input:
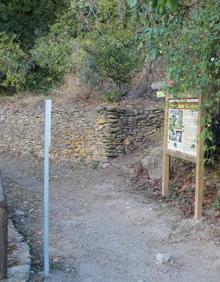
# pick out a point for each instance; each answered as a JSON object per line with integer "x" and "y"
{"x": 154, "y": 163}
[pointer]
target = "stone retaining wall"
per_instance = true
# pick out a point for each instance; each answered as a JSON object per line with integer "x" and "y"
{"x": 123, "y": 130}
{"x": 77, "y": 132}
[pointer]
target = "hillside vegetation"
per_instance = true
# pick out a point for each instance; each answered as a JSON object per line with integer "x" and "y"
{"x": 104, "y": 42}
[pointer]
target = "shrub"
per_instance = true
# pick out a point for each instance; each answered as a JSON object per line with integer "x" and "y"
{"x": 54, "y": 54}
{"x": 114, "y": 55}
{"x": 13, "y": 62}
{"x": 113, "y": 96}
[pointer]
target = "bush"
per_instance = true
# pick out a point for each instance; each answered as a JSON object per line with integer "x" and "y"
{"x": 54, "y": 54}
{"x": 114, "y": 55}
{"x": 13, "y": 63}
{"x": 86, "y": 68}
{"x": 113, "y": 96}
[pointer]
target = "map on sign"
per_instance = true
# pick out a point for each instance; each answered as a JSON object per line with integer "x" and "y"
{"x": 183, "y": 125}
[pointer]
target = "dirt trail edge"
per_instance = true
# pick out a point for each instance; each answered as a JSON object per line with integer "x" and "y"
{"x": 99, "y": 231}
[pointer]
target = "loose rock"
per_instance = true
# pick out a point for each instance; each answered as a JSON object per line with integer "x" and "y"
{"x": 162, "y": 258}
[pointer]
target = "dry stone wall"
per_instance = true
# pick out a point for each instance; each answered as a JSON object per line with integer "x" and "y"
{"x": 122, "y": 130}
{"x": 78, "y": 132}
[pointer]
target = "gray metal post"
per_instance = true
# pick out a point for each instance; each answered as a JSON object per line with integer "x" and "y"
{"x": 46, "y": 186}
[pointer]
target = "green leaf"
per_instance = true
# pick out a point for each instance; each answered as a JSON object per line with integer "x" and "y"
{"x": 132, "y": 3}
{"x": 161, "y": 9}
{"x": 154, "y": 3}
{"x": 172, "y": 4}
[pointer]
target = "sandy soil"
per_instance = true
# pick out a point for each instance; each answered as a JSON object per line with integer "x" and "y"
{"x": 100, "y": 231}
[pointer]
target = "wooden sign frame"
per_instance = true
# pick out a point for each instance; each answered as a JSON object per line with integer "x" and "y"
{"x": 198, "y": 159}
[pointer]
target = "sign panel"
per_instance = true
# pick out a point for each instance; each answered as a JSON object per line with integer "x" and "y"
{"x": 183, "y": 125}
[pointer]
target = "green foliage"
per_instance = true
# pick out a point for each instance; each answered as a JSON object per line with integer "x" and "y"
{"x": 113, "y": 96}
{"x": 22, "y": 22}
{"x": 107, "y": 46}
{"x": 43, "y": 40}
{"x": 160, "y": 6}
{"x": 193, "y": 58}
{"x": 40, "y": 81}
{"x": 12, "y": 62}
{"x": 189, "y": 44}
{"x": 53, "y": 53}
{"x": 51, "y": 35}
{"x": 86, "y": 68}
{"x": 95, "y": 164}
{"x": 132, "y": 3}
{"x": 191, "y": 50}
{"x": 114, "y": 54}
{"x": 217, "y": 203}
{"x": 193, "y": 63}
{"x": 29, "y": 19}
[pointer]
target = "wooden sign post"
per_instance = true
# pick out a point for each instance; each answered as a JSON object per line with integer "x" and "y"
{"x": 184, "y": 139}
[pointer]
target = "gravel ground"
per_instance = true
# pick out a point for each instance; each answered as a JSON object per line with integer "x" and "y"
{"x": 100, "y": 231}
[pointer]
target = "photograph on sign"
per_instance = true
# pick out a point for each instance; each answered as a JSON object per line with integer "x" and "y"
{"x": 183, "y": 126}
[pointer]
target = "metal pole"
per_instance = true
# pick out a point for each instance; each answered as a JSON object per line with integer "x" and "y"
{"x": 46, "y": 186}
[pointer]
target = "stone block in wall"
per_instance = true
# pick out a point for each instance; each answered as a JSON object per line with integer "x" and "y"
{"x": 101, "y": 120}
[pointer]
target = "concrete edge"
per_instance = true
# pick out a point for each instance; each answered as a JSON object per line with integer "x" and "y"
{"x": 19, "y": 259}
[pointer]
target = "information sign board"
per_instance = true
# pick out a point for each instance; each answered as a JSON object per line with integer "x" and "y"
{"x": 184, "y": 139}
{"x": 183, "y": 125}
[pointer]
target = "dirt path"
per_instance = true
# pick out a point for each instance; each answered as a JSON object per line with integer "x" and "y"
{"x": 102, "y": 232}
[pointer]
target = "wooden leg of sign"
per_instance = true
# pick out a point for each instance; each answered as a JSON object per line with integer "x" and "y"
{"x": 199, "y": 190}
{"x": 166, "y": 174}
{"x": 199, "y": 170}
{"x": 166, "y": 157}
